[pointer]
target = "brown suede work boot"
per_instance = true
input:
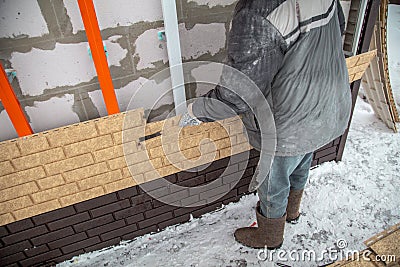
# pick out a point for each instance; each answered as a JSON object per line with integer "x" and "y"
{"x": 269, "y": 232}
{"x": 293, "y": 207}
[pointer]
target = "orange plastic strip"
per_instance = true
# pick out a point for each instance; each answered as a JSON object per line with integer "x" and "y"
{"x": 90, "y": 22}
{"x": 12, "y": 106}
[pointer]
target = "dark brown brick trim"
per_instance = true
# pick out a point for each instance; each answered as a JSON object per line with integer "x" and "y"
{"x": 59, "y": 235}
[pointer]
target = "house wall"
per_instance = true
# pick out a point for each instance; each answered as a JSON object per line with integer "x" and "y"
{"x": 56, "y": 83}
{"x": 70, "y": 190}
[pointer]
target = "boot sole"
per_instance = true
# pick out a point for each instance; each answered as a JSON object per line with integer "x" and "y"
{"x": 259, "y": 247}
{"x": 293, "y": 221}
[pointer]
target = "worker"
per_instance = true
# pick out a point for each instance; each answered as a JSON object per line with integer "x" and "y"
{"x": 292, "y": 50}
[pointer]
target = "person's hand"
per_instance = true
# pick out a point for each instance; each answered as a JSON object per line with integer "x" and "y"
{"x": 188, "y": 119}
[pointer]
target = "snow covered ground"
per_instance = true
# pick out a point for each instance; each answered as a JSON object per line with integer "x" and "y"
{"x": 344, "y": 204}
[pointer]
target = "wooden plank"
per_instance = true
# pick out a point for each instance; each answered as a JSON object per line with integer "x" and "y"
{"x": 388, "y": 246}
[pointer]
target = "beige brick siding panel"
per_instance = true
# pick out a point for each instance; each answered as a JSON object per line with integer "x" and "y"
{"x": 191, "y": 153}
{"x": 72, "y": 134}
{"x": 51, "y": 182}
{"x": 156, "y": 152}
{"x": 117, "y": 138}
{"x": 33, "y": 144}
{"x": 6, "y": 168}
{"x": 119, "y": 185}
{"x": 132, "y": 134}
{"x": 151, "y": 143}
{"x": 204, "y": 159}
{"x": 82, "y": 196}
{"x": 15, "y": 204}
{"x": 114, "y": 123}
{"x": 152, "y": 175}
{"x": 208, "y": 146}
{"x": 146, "y": 166}
{"x": 225, "y": 152}
{"x": 171, "y": 135}
{"x": 154, "y": 127}
{"x": 69, "y": 164}
{"x": 41, "y": 158}
{"x": 18, "y": 191}
{"x": 36, "y": 209}
{"x": 240, "y": 148}
{"x": 117, "y": 163}
{"x": 88, "y": 146}
{"x": 171, "y": 148}
{"x": 9, "y": 150}
{"x": 193, "y": 141}
{"x": 55, "y": 193}
{"x": 6, "y": 219}
{"x": 241, "y": 138}
{"x": 132, "y": 147}
{"x": 101, "y": 179}
{"x": 167, "y": 170}
{"x": 108, "y": 153}
{"x": 85, "y": 172}
{"x": 134, "y": 118}
{"x": 21, "y": 177}
{"x": 110, "y": 124}
{"x": 126, "y": 173}
{"x": 137, "y": 157}
{"x": 218, "y": 134}
{"x": 193, "y": 130}
{"x": 223, "y": 143}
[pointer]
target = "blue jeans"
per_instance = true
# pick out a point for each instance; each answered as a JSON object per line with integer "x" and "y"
{"x": 286, "y": 173}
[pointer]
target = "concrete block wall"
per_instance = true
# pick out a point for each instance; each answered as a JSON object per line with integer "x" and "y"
{"x": 45, "y": 42}
{"x": 68, "y": 165}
